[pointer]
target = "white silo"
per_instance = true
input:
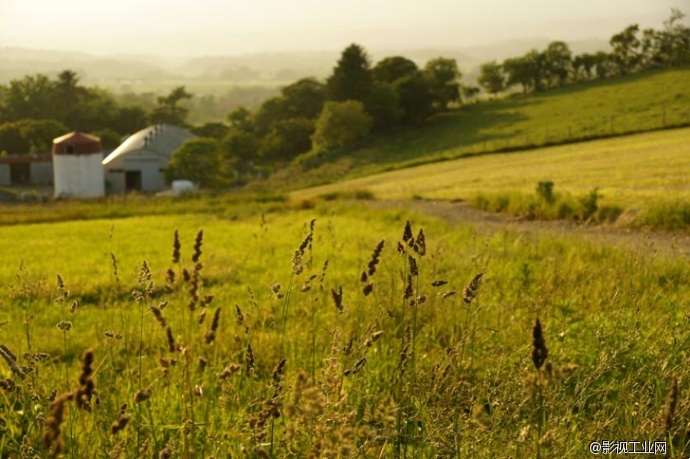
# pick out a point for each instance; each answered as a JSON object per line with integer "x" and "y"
{"x": 77, "y": 169}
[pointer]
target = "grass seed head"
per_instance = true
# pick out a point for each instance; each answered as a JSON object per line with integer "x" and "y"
{"x": 539, "y": 350}
{"x": 176, "y": 247}
{"x": 51, "y": 437}
{"x": 471, "y": 290}
{"x": 407, "y": 233}
{"x": 171, "y": 340}
{"x": 671, "y": 404}
{"x": 198, "y": 241}
{"x": 420, "y": 243}
{"x": 338, "y": 298}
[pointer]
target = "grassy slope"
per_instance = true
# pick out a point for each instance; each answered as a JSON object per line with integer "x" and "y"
{"x": 578, "y": 111}
{"x": 630, "y": 170}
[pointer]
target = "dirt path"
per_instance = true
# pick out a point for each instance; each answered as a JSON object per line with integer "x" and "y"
{"x": 676, "y": 244}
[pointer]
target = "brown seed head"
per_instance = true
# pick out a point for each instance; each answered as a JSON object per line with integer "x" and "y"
{"x": 671, "y": 404}
{"x": 471, "y": 290}
{"x": 198, "y": 241}
{"x": 176, "y": 247}
{"x": 539, "y": 351}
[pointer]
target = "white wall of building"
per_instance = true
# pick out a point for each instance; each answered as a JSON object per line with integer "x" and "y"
{"x": 5, "y": 178}
{"x": 78, "y": 175}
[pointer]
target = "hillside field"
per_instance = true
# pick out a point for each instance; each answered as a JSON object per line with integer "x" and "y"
{"x": 637, "y": 172}
{"x": 597, "y": 109}
{"x": 113, "y": 358}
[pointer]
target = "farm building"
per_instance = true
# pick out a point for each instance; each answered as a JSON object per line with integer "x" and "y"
{"x": 26, "y": 170}
{"x": 139, "y": 162}
{"x": 77, "y": 169}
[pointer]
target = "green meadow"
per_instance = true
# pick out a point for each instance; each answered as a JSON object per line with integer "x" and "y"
{"x": 254, "y": 350}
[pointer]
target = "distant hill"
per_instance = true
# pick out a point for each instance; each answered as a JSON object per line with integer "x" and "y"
{"x": 121, "y": 70}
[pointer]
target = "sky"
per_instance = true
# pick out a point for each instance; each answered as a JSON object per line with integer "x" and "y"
{"x": 227, "y": 27}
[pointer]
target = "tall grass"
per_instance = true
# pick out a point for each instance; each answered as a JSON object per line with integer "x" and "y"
{"x": 427, "y": 358}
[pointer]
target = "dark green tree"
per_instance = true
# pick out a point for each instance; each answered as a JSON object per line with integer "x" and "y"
{"x": 416, "y": 98}
{"x": 271, "y": 112}
{"x": 558, "y": 64}
{"x": 109, "y": 138}
{"x": 241, "y": 145}
{"x": 383, "y": 105}
{"x": 491, "y": 77}
{"x": 240, "y": 119}
{"x": 391, "y": 69}
{"x": 39, "y": 134}
{"x": 213, "y": 130}
{"x": 443, "y": 75}
{"x": 304, "y": 98}
{"x": 129, "y": 119}
{"x": 30, "y": 97}
{"x": 341, "y": 124}
{"x": 199, "y": 160}
{"x": 352, "y": 78}
{"x": 287, "y": 139}
{"x": 12, "y": 141}
{"x": 584, "y": 66}
{"x": 626, "y": 50}
{"x": 170, "y": 109}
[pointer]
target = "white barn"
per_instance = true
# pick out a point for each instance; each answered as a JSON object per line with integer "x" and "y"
{"x": 138, "y": 164}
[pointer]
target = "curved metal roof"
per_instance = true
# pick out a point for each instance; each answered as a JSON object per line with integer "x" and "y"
{"x": 160, "y": 139}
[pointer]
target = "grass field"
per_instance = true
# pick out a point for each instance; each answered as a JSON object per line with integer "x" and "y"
{"x": 638, "y": 172}
{"x": 584, "y": 111}
{"x": 407, "y": 370}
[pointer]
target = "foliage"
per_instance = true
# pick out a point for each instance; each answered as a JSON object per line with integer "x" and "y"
{"x": 213, "y": 130}
{"x": 109, "y": 138}
{"x": 304, "y": 98}
{"x": 352, "y": 77}
{"x": 199, "y": 160}
{"x": 40, "y": 135}
{"x": 632, "y": 51}
{"x": 341, "y": 124}
{"x": 170, "y": 109}
{"x": 383, "y": 105}
{"x": 391, "y": 69}
{"x": 241, "y": 145}
{"x": 442, "y": 75}
{"x": 287, "y": 139}
{"x": 491, "y": 77}
{"x": 416, "y": 98}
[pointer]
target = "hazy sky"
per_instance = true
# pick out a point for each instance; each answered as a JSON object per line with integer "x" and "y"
{"x": 199, "y": 27}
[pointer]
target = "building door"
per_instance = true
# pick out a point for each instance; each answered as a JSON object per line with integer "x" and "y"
{"x": 132, "y": 180}
{"x": 20, "y": 174}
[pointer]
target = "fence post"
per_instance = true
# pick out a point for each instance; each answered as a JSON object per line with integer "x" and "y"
{"x": 611, "y": 127}
{"x": 663, "y": 117}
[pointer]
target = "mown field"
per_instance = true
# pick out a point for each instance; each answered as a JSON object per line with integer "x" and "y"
{"x": 574, "y": 113}
{"x": 644, "y": 174}
{"x": 255, "y": 352}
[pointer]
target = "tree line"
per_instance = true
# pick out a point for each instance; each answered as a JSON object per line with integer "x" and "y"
{"x": 310, "y": 119}
{"x": 36, "y": 109}
{"x": 632, "y": 51}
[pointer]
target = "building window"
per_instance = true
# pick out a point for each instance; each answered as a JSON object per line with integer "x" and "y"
{"x": 69, "y": 149}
